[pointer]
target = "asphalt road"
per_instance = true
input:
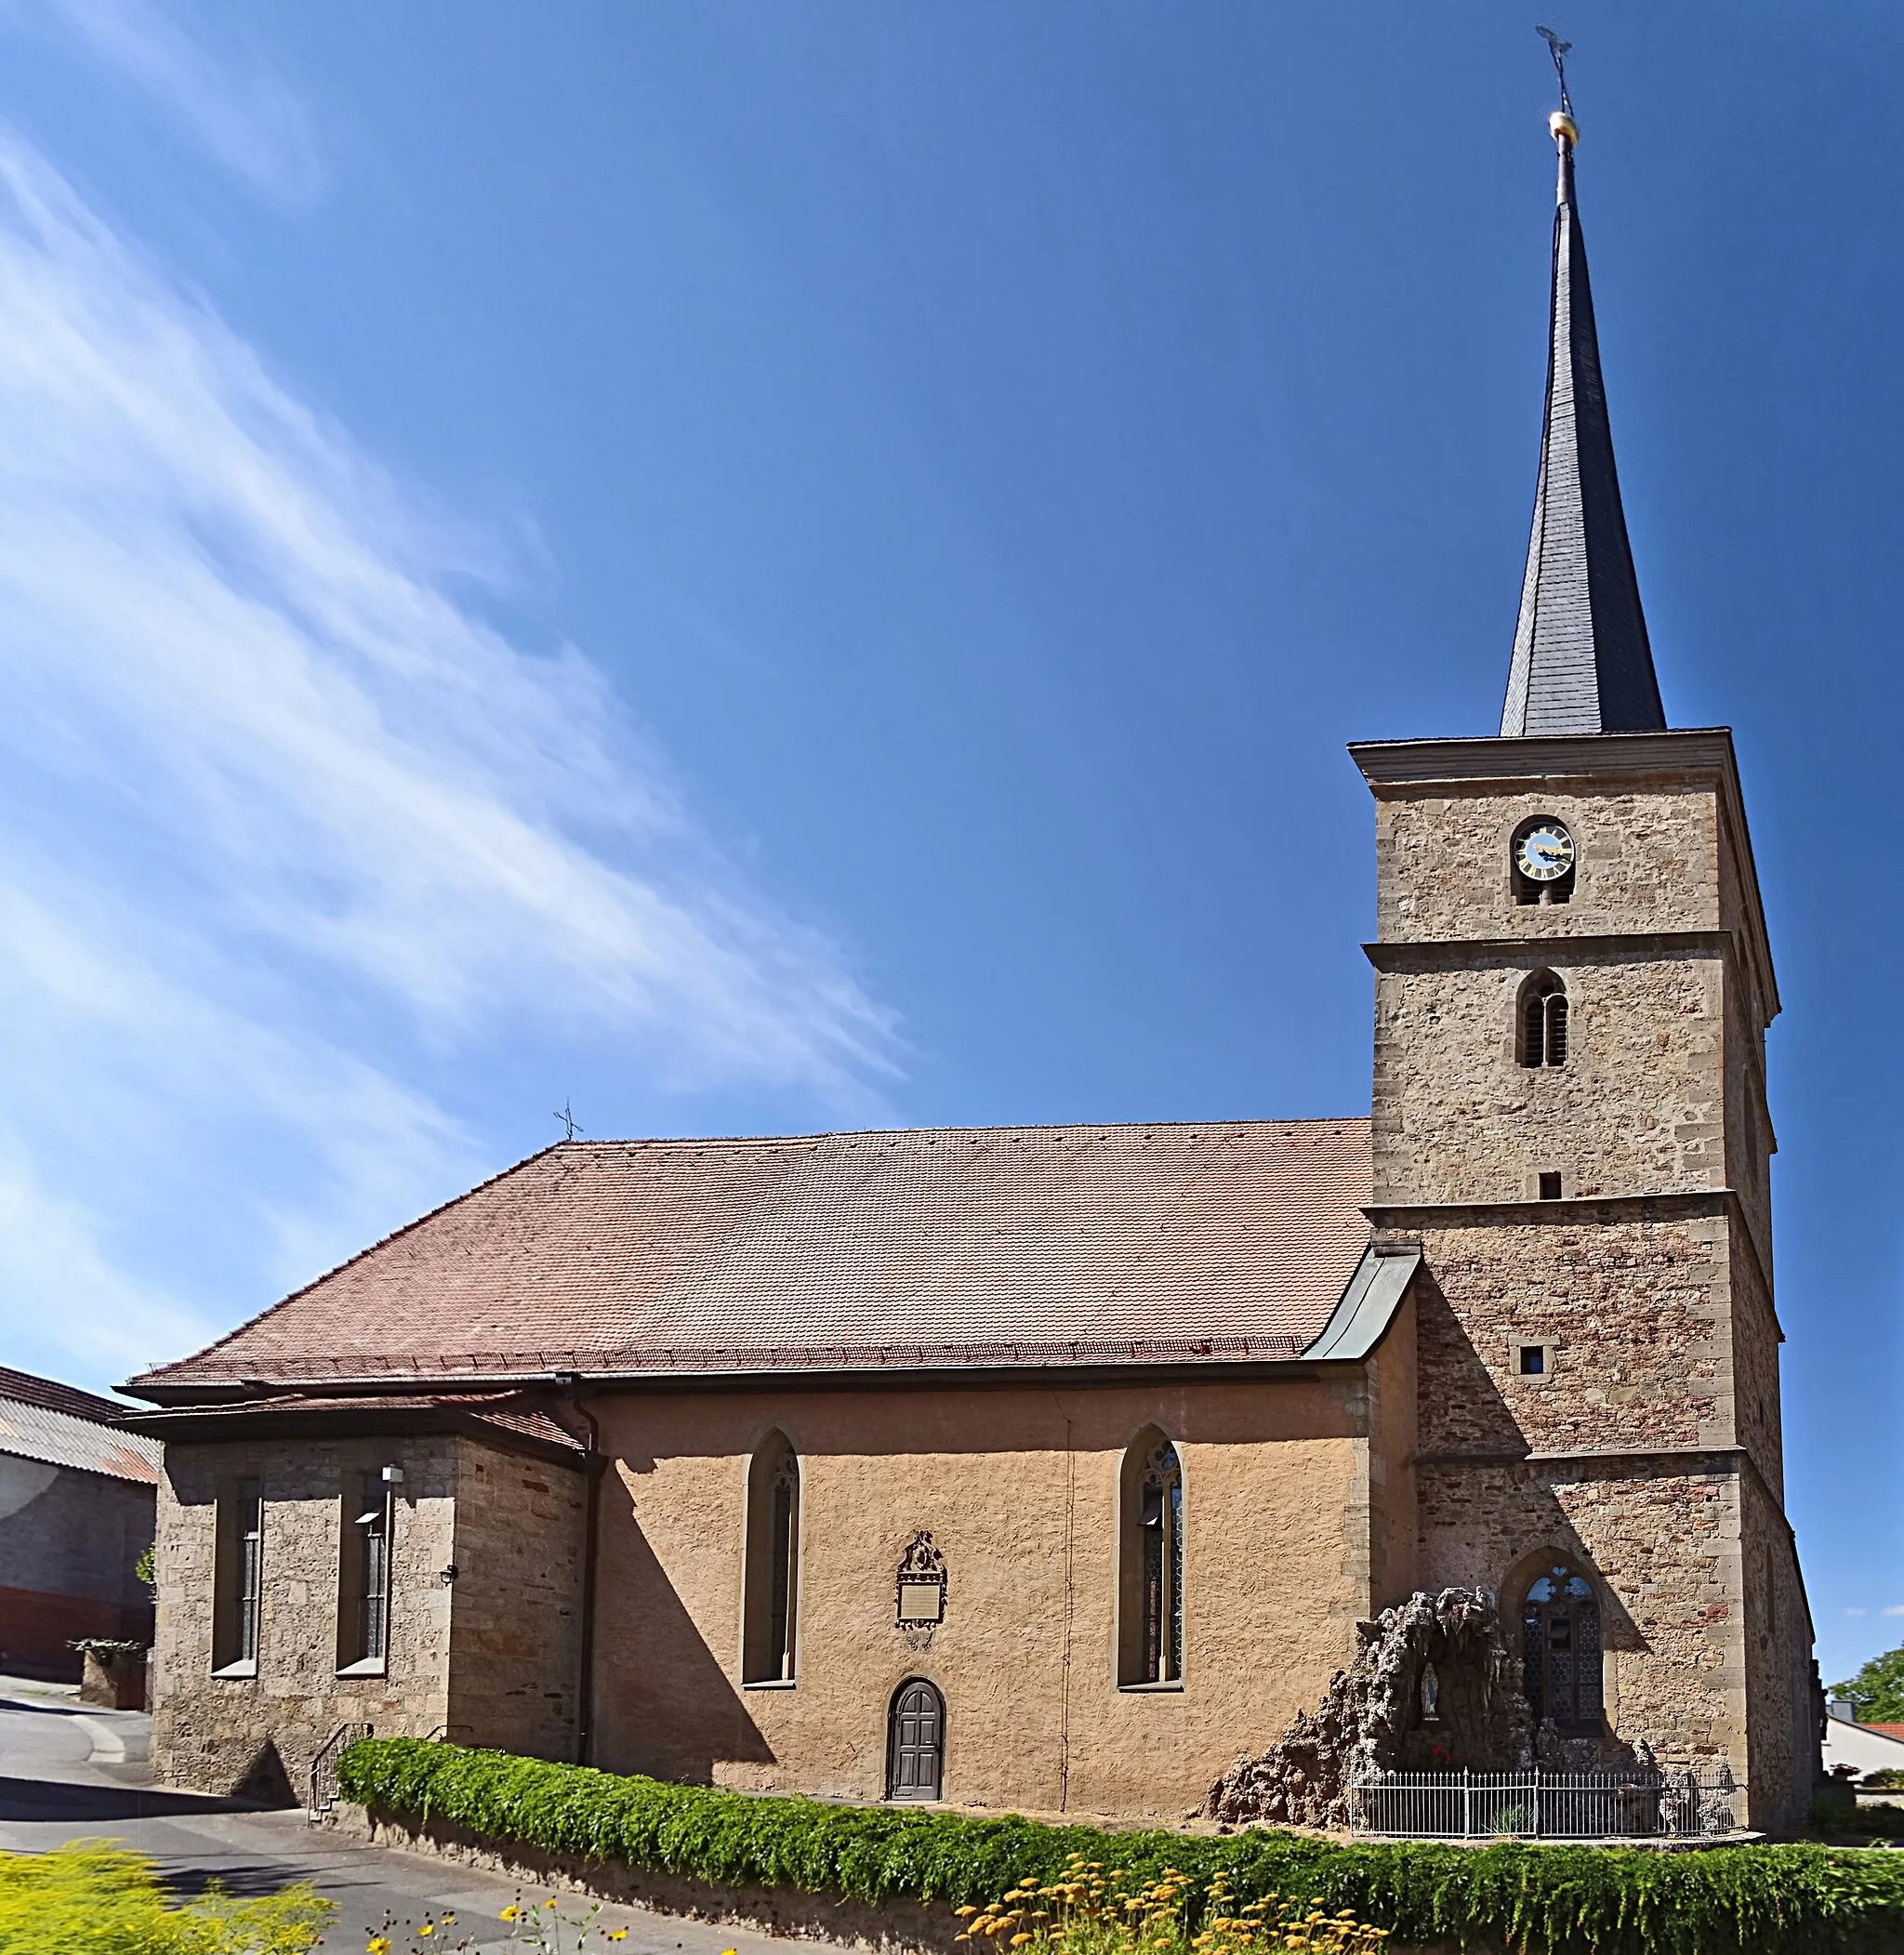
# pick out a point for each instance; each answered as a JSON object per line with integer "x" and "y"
{"x": 71, "y": 1773}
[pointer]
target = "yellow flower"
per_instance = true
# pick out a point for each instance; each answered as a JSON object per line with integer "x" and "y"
{"x": 506, "y": 1914}
{"x": 428, "y": 1927}
{"x": 377, "y": 1945}
{"x": 550, "y": 1902}
{"x": 964, "y": 1912}
{"x": 617, "y": 1935}
{"x": 1018, "y": 1941}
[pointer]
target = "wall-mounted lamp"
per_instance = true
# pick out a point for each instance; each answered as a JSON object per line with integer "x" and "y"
{"x": 449, "y": 1574}
{"x": 394, "y": 1476}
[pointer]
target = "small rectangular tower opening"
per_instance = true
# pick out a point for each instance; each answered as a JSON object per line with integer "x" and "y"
{"x": 1550, "y": 1184}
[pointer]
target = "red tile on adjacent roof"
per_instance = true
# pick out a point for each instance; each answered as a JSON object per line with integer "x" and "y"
{"x": 24, "y": 1388}
{"x": 1060, "y": 1243}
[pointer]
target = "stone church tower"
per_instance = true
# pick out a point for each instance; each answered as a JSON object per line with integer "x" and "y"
{"x": 1573, "y": 985}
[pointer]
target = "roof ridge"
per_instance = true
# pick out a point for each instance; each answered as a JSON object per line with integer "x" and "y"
{"x": 900, "y": 1133}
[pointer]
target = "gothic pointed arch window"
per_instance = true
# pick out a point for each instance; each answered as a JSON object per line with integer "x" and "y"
{"x": 770, "y": 1590}
{"x": 1150, "y": 1640}
{"x": 1560, "y": 1650}
{"x": 1540, "y": 1021}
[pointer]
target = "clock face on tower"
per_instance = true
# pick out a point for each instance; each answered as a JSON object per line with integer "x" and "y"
{"x": 1544, "y": 853}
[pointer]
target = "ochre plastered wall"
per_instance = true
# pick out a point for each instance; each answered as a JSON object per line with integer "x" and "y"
{"x": 1019, "y": 1491}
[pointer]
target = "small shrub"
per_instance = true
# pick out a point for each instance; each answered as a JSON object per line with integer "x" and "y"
{"x": 93, "y": 1897}
{"x": 1835, "y": 1818}
{"x": 1743, "y": 1900}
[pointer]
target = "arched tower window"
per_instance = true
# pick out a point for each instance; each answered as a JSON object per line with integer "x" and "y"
{"x": 1560, "y": 1650}
{"x": 772, "y": 1586}
{"x": 1151, "y": 1563}
{"x": 1540, "y": 1021}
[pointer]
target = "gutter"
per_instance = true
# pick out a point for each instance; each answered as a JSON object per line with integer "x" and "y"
{"x": 591, "y": 1538}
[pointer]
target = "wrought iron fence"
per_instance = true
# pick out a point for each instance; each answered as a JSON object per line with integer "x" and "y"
{"x": 323, "y": 1770}
{"x": 1538, "y": 1805}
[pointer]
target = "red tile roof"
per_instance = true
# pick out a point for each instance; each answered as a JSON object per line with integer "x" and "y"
{"x": 987, "y": 1245}
{"x": 25, "y": 1389}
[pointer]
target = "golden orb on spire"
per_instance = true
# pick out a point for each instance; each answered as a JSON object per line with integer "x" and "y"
{"x": 1564, "y": 127}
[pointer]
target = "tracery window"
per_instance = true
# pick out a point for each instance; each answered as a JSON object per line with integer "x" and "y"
{"x": 1560, "y": 1650}
{"x": 1542, "y": 1022}
{"x": 1151, "y": 1642}
{"x": 771, "y": 1587}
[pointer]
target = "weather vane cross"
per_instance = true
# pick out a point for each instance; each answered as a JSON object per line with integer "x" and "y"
{"x": 568, "y": 1121}
{"x": 1559, "y": 49}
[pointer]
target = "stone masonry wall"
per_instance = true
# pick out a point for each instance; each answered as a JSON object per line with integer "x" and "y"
{"x": 1664, "y": 1353}
{"x": 515, "y": 1644}
{"x": 1636, "y": 1310}
{"x": 215, "y": 1733}
{"x": 1647, "y": 861}
{"x": 1638, "y": 1108}
{"x": 1781, "y": 1711}
{"x": 1757, "y": 1420}
{"x": 1664, "y": 1547}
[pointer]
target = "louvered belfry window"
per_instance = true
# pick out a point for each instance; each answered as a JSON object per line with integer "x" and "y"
{"x": 1541, "y": 1035}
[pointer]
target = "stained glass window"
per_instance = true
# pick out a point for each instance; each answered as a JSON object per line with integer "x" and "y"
{"x": 1560, "y": 1650}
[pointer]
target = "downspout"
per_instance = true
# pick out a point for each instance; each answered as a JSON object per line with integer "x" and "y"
{"x": 591, "y": 1532}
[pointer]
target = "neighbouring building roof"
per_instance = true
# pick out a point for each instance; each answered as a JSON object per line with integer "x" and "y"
{"x": 980, "y": 1246}
{"x": 1582, "y": 663}
{"x": 59, "y": 1425}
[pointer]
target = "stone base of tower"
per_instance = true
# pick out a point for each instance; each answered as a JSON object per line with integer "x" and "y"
{"x": 1705, "y": 1647}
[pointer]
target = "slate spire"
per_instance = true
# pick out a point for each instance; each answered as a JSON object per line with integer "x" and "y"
{"x": 1581, "y": 660}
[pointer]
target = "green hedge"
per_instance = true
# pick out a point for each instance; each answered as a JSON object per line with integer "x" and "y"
{"x": 1611, "y": 1900}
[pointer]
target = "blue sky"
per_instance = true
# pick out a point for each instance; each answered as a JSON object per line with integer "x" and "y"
{"x": 761, "y": 568}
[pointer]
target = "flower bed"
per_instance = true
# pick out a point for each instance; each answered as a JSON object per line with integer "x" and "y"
{"x": 94, "y": 1898}
{"x": 1795, "y": 1899}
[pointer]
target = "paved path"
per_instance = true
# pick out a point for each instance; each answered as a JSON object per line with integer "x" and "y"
{"x": 69, "y": 1773}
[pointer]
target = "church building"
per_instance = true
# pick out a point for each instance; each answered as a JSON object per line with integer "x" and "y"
{"x": 1053, "y": 1468}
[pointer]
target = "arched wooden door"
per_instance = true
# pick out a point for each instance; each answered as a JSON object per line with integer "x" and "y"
{"x": 916, "y": 1741}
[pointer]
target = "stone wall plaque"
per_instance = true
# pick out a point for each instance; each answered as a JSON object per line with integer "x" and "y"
{"x": 920, "y": 1602}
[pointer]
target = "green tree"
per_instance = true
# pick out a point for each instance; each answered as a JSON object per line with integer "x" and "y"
{"x": 1877, "y": 1689}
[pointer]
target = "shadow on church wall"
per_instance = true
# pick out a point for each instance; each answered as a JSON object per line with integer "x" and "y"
{"x": 663, "y": 1705}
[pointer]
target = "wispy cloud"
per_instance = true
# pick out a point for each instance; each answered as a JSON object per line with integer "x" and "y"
{"x": 1856, "y": 1612}
{"x": 1896, "y": 1608}
{"x": 297, "y": 846}
{"x": 235, "y": 108}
